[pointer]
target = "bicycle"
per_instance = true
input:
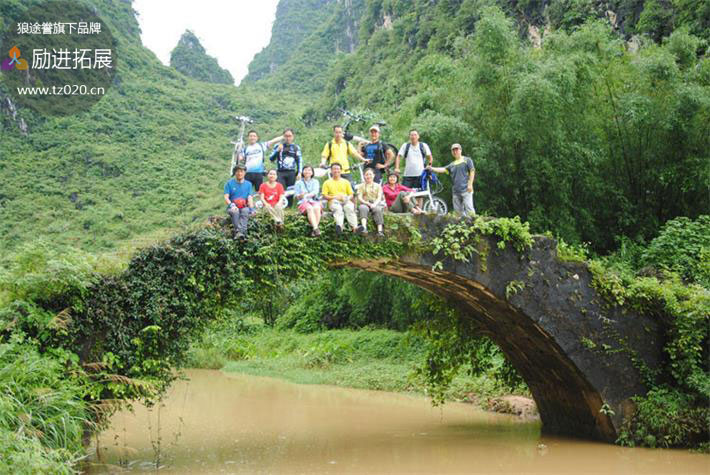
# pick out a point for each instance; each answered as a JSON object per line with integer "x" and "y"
{"x": 432, "y": 203}
{"x": 239, "y": 144}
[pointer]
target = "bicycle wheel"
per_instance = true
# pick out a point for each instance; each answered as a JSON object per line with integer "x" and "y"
{"x": 436, "y": 205}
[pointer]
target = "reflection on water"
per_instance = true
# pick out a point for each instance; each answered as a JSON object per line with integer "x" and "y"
{"x": 222, "y": 423}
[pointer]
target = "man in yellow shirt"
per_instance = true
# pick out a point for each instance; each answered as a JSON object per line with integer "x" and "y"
{"x": 339, "y": 193}
{"x": 337, "y": 151}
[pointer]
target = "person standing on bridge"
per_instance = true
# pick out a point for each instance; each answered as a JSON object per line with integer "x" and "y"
{"x": 339, "y": 193}
{"x": 252, "y": 157}
{"x": 337, "y": 151}
{"x": 463, "y": 172}
{"x": 379, "y": 155}
{"x": 289, "y": 160}
{"x": 417, "y": 155}
{"x": 238, "y": 195}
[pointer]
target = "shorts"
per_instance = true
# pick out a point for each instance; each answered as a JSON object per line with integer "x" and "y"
{"x": 306, "y": 205}
{"x": 412, "y": 182}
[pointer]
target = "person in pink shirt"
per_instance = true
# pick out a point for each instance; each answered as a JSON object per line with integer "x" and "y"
{"x": 398, "y": 197}
{"x": 271, "y": 193}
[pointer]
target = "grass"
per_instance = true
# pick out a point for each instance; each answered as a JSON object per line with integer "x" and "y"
{"x": 375, "y": 359}
{"x": 42, "y": 415}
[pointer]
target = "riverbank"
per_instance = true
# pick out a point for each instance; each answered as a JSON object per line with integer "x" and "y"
{"x": 375, "y": 359}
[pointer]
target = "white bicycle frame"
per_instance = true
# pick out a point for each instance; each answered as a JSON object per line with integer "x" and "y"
{"x": 239, "y": 144}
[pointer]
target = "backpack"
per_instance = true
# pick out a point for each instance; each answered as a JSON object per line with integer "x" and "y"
{"x": 421, "y": 149}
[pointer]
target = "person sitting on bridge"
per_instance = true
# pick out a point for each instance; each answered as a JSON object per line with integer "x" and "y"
{"x": 271, "y": 193}
{"x": 252, "y": 157}
{"x": 339, "y": 193}
{"x": 337, "y": 151}
{"x": 463, "y": 172}
{"x": 371, "y": 200}
{"x": 379, "y": 155}
{"x": 238, "y": 195}
{"x": 399, "y": 197}
{"x": 289, "y": 160}
{"x": 307, "y": 190}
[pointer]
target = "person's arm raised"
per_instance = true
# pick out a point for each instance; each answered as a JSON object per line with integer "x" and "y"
{"x": 274, "y": 140}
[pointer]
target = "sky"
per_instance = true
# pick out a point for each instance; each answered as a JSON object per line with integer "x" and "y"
{"x": 232, "y": 31}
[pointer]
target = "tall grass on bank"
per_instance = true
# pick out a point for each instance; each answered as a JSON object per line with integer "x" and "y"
{"x": 42, "y": 415}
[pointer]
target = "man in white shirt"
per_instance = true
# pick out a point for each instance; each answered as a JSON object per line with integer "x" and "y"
{"x": 417, "y": 156}
{"x": 252, "y": 157}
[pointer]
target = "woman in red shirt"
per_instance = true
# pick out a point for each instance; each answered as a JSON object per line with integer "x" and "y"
{"x": 397, "y": 196}
{"x": 271, "y": 193}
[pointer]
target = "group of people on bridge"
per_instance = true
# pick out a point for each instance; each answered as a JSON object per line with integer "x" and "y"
{"x": 339, "y": 192}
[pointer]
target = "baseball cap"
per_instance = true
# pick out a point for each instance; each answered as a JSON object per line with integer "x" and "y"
{"x": 239, "y": 167}
{"x": 456, "y": 145}
{"x": 375, "y": 127}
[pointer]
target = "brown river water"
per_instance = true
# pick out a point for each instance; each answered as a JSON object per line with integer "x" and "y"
{"x": 229, "y": 423}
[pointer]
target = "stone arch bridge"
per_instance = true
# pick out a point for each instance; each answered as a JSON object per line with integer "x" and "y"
{"x": 578, "y": 354}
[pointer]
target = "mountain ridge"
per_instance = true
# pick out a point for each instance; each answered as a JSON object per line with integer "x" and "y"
{"x": 190, "y": 58}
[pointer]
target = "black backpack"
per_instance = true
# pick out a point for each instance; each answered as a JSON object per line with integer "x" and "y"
{"x": 421, "y": 149}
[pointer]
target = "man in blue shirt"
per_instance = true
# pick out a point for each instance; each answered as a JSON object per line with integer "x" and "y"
{"x": 378, "y": 153}
{"x": 238, "y": 196}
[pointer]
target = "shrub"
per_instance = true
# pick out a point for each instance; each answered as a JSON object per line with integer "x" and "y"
{"x": 666, "y": 417}
{"x": 683, "y": 246}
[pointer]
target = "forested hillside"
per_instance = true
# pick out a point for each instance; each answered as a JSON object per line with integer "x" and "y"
{"x": 295, "y": 21}
{"x": 150, "y": 156}
{"x": 190, "y": 58}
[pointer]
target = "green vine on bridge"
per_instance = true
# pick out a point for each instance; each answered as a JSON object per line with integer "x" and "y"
{"x": 461, "y": 240}
{"x": 127, "y": 332}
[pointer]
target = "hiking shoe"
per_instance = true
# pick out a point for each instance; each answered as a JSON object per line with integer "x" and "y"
{"x": 239, "y": 237}
{"x": 338, "y": 230}
{"x": 380, "y": 234}
{"x": 316, "y": 232}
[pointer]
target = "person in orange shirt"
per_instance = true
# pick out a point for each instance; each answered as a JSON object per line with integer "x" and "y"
{"x": 271, "y": 193}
